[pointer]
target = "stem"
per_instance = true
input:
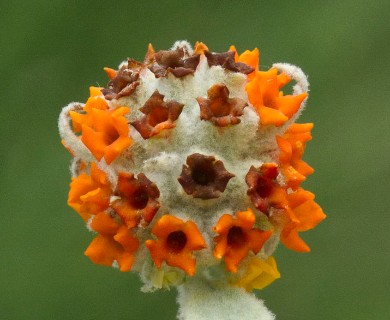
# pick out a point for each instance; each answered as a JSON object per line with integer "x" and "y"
{"x": 200, "y": 299}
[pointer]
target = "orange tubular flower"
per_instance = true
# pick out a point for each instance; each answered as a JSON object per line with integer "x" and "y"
{"x": 292, "y": 147}
{"x": 237, "y": 237}
{"x": 159, "y": 115}
{"x": 137, "y": 199}
{"x": 104, "y": 132}
{"x": 176, "y": 241}
{"x": 218, "y": 108}
{"x": 263, "y": 91}
{"x": 304, "y": 214}
{"x": 90, "y": 194}
{"x": 265, "y": 192}
{"x": 114, "y": 243}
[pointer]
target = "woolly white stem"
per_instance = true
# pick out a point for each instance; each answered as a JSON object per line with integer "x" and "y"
{"x": 67, "y": 134}
{"x": 200, "y": 299}
{"x": 296, "y": 73}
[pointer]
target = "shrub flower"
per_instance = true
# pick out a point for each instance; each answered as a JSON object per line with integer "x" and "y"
{"x": 188, "y": 168}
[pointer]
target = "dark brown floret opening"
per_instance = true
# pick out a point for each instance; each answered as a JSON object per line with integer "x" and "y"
{"x": 204, "y": 177}
{"x": 262, "y": 183}
{"x": 236, "y": 237}
{"x": 125, "y": 81}
{"x": 263, "y": 187}
{"x": 137, "y": 201}
{"x": 177, "y": 62}
{"x": 203, "y": 173}
{"x": 226, "y": 61}
{"x": 159, "y": 115}
{"x": 176, "y": 241}
{"x": 219, "y": 108}
{"x": 139, "y": 198}
{"x": 111, "y": 136}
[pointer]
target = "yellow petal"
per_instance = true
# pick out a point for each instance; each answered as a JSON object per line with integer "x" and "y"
{"x": 259, "y": 274}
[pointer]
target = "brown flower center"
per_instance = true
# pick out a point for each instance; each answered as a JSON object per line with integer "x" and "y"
{"x": 112, "y": 136}
{"x": 139, "y": 198}
{"x": 204, "y": 177}
{"x": 203, "y": 173}
{"x": 236, "y": 237}
{"x": 264, "y": 187}
{"x": 176, "y": 241}
{"x": 158, "y": 115}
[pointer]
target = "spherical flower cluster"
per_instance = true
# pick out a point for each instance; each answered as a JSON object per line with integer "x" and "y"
{"x": 188, "y": 167}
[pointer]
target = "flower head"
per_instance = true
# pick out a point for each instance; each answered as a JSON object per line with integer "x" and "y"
{"x": 188, "y": 168}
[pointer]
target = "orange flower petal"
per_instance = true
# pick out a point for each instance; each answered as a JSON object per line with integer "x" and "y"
{"x": 111, "y": 73}
{"x": 307, "y": 214}
{"x": 289, "y": 105}
{"x": 104, "y": 224}
{"x": 263, "y": 93}
{"x": 251, "y": 58}
{"x": 103, "y": 250}
{"x": 237, "y": 237}
{"x": 104, "y": 132}
{"x": 126, "y": 239}
{"x": 115, "y": 243}
{"x": 200, "y": 48}
{"x": 176, "y": 241}
{"x": 271, "y": 116}
{"x": 89, "y": 194}
{"x": 292, "y": 147}
{"x": 95, "y": 91}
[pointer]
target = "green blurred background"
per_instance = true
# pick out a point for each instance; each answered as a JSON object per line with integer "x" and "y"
{"x": 52, "y": 51}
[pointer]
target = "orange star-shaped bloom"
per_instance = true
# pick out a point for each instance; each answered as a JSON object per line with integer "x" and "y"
{"x": 271, "y": 105}
{"x": 104, "y": 131}
{"x": 137, "y": 199}
{"x": 265, "y": 192}
{"x": 114, "y": 243}
{"x": 237, "y": 237}
{"x": 176, "y": 241}
{"x": 292, "y": 146}
{"x": 304, "y": 214}
{"x": 159, "y": 115}
{"x": 219, "y": 108}
{"x": 90, "y": 194}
